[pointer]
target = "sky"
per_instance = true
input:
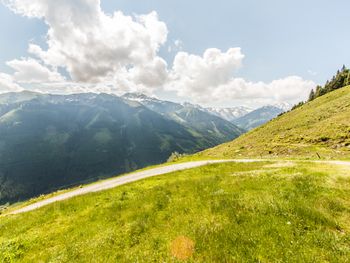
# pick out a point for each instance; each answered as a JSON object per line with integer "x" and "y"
{"x": 215, "y": 53}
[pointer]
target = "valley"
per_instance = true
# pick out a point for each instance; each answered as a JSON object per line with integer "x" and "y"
{"x": 51, "y": 142}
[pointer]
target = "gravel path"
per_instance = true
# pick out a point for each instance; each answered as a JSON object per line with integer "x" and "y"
{"x": 132, "y": 177}
{"x": 111, "y": 183}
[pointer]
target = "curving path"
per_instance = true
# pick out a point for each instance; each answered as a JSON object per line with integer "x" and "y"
{"x": 132, "y": 177}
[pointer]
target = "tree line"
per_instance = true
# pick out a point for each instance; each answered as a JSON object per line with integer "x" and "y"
{"x": 340, "y": 80}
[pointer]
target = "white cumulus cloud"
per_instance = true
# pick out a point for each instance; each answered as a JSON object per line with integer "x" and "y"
{"x": 193, "y": 74}
{"x": 118, "y": 53}
{"x": 291, "y": 89}
{"x": 211, "y": 78}
{"x": 31, "y": 71}
{"x": 7, "y": 84}
{"x": 93, "y": 46}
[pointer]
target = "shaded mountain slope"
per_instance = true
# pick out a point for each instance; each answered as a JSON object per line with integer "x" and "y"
{"x": 51, "y": 141}
{"x": 212, "y": 129}
{"x": 207, "y": 127}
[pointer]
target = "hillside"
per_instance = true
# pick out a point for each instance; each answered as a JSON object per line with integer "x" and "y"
{"x": 209, "y": 128}
{"x": 318, "y": 128}
{"x": 216, "y": 123}
{"x": 51, "y": 141}
{"x": 233, "y": 212}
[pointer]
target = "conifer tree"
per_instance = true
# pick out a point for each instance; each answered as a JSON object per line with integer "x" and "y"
{"x": 318, "y": 92}
{"x": 347, "y": 82}
{"x": 340, "y": 80}
{"x": 312, "y": 95}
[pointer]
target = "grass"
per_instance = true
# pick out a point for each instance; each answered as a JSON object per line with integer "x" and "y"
{"x": 319, "y": 129}
{"x": 269, "y": 212}
{"x": 7, "y": 208}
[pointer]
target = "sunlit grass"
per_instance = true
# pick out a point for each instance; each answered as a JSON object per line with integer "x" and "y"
{"x": 287, "y": 212}
{"x": 317, "y": 130}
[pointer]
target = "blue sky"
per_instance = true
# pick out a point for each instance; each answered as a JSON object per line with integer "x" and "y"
{"x": 278, "y": 37}
{"x": 308, "y": 39}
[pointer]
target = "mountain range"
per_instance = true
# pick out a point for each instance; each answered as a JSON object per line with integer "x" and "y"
{"x": 230, "y": 114}
{"x": 257, "y": 117}
{"x": 244, "y": 117}
{"x": 53, "y": 141}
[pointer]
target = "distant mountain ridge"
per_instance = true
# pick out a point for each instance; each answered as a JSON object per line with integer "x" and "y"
{"x": 247, "y": 118}
{"x": 52, "y": 141}
{"x": 194, "y": 117}
{"x": 230, "y": 114}
{"x": 258, "y": 117}
{"x": 244, "y": 117}
{"x": 285, "y": 106}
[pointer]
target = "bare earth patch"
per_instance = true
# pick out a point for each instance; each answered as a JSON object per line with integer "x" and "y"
{"x": 280, "y": 165}
{"x": 182, "y": 248}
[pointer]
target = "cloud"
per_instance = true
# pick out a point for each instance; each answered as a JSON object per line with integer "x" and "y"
{"x": 116, "y": 53}
{"x": 290, "y": 89}
{"x": 31, "y": 71}
{"x": 152, "y": 75}
{"x": 75, "y": 87}
{"x": 210, "y": 78}
{"x": 93, "y": 46}
{"x": 191, "y": 73}
{"x": 7, "y": 84}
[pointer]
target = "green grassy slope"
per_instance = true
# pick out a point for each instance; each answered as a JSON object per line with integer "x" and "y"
{"x": 321, "y": 126}
{"x": 267, "y": 212}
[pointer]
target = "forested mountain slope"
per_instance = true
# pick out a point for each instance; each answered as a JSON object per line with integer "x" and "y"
{"x": 51, "y": 141}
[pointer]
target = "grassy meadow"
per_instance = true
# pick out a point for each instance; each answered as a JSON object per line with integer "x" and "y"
{"x": 319, "y": 129}
{"x": 276, "y": 211}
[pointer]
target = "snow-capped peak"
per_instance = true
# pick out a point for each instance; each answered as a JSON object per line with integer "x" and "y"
{"x": 139, "y": 97}
{"x": 285, "y": 106}
{"x": 229, "y": 114}
{"x": 191, "y": 105}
